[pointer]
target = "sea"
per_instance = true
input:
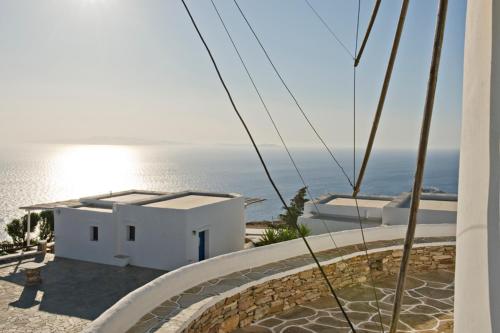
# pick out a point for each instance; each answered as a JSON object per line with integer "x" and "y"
{"x": 39, "y": 173}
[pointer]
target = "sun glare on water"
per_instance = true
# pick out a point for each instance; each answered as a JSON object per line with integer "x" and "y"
{"x": 93, "y": 169}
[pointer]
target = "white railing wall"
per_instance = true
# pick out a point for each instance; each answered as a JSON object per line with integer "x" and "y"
{"x": 131, "y": 308}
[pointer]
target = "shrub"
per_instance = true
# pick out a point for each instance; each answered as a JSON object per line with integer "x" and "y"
{"x": 282, "y": 234}
{"x": 17, "y": 228}
{"x": 47, "y": 225}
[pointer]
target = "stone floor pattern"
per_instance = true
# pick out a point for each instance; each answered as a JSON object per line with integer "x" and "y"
{"x": 152, "y": 321}
{"x": 427, "y": 308}
{"x": 71, "y": 295}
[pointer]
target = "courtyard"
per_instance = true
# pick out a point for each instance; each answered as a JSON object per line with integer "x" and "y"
{"x": 72, "y": 293}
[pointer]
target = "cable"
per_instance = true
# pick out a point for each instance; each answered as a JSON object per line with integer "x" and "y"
{"x": 273, "y": 122}
{"x": 250, "y": 136}
{"x": 331, "y": 30}
{"x": 286, "y": 147}
{"x": 369, "y": 266}
{"x": 291, "y": 93}
{"x": 282, "y": 139}
{"x": 303, "y": 113}
{"x": 354, "y": 177}
{"x": 264, "y": 105}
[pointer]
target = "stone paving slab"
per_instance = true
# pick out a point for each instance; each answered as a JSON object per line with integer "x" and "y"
{"x": 427, "y": 308}
{"x": 72, "y": 293}
{"x": 152, "y": 321}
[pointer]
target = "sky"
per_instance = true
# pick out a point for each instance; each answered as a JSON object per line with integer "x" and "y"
{"x": 87, "y": 70}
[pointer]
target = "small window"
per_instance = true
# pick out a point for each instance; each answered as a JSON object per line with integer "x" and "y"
{"x": 131, "y": 233}
{"x": 94, "y": 233}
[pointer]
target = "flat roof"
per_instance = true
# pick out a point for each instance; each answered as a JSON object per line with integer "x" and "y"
{"x": 95, "y": 209}
{"x": 438, "y": 205}
{"x": 142, "y": 197}
{"x": 361, "y": 202}
{"x": 187, "y": 201}
{"x": 52, "y": 205}
{"x": 131, "y": 197}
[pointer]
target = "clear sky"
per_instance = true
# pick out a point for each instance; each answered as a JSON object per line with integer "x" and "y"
{"x": 77, "y": 69}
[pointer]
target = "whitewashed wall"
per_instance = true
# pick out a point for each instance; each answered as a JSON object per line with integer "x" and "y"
{"x": 399, "y": 215}
{"x": 159, "y": 236}
{"x": 477, "y": 292}
{"x": 225, "y": 223}
{"x": 324, "y": 208}
{"x": 72, "y": 234}
{"x": 321, "y": 226}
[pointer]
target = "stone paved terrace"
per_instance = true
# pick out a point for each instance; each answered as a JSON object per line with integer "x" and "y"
{"x": 72, "y": 294}
{"x": 167, "y": 311}
{"x": 427, "y": 308}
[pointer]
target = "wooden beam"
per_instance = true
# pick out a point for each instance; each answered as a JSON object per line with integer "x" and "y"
{"x": 422, "y": 152}
{"x": 367, "y": 34}
{"x": 383, "y": 94}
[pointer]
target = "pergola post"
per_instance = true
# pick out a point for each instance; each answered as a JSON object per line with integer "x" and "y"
{"x": 28, "y": 233}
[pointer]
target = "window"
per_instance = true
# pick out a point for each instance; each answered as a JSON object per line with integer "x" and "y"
{"x": 94, "y": 233}
{"x": 131, "y": 233}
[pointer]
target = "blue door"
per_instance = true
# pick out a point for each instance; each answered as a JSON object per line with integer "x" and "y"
{"x": 201, "y": 245}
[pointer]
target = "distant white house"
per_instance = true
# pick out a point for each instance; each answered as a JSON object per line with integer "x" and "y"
{"x": 336, "y": 212}
{"x": 150, "y": 229}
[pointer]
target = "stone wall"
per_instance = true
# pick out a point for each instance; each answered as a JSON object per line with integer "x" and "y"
{"x": 283, "y": 293}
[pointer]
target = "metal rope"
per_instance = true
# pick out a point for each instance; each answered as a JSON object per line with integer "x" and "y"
{"x": 273, "y": 122}
{"x": 269, "y": 177}
{"x": 330, "y": 30}
{"x": 372, "y": 280}
{"x": 291, "y": 93}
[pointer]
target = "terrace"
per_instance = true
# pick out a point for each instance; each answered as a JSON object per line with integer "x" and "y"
{"x": 71, "y": 295}
{"x": 277, "y": 288}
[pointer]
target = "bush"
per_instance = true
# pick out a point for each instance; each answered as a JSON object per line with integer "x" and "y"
{"x": 47, "y": 225}
{"x": 18, "y": 228}
{"x": 282, "y": 234}
{"x": 35, "y": 218}
{"x": 15, "y": 230}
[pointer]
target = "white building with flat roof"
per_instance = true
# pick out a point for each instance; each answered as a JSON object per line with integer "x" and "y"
{"x": 336, "y": 212}
{"x": 150, "y": 229}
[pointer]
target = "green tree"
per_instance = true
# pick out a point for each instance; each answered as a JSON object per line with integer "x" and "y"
{"x": 47, "y": 225}
{"x": 291, "y": 229}
{"x": 18, "y": 228}
{"x": 15, "y": 230}
{"x": 295, "y": 208}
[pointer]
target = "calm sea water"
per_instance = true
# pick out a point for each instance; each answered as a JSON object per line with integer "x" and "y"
{"x": 42, "y": 173}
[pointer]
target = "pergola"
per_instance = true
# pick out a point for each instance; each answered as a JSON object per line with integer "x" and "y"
{"x": 46, "y": 206}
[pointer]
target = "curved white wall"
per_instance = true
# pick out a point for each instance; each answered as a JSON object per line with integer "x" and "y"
{"x": 133, "y": 306}
{"x": 477, "y": 293}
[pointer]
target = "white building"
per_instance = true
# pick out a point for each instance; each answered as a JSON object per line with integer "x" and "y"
{"x": 336, "y": 212}
{"x": 150, "y": 229}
